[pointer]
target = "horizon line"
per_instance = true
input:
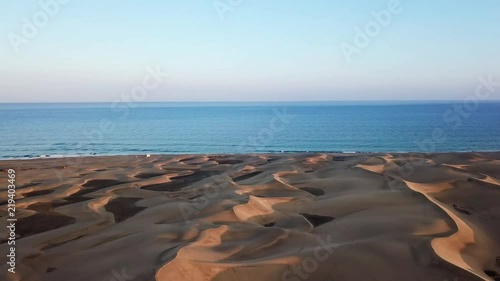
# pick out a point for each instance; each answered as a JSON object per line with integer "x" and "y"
{"x": 287, "y": 101}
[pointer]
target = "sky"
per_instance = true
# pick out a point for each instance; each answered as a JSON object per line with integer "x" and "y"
{"x": 246, "y": 50}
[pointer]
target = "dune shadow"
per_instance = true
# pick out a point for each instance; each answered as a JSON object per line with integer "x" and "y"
{"x": 314, "y": 191}
{"x": 223, "y": 160}
{"x": 123, "y": 208}
{"x": 179, "y": 182}
{"x": 317, "y": 220}
{"x": 246, "y": 176}
{"x": 42, "y": 222}
{"x": 38, "y": 193}
{"x": 148, "y": 175}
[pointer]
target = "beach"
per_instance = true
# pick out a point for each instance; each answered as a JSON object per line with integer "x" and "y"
{"x": 317, "y": 216}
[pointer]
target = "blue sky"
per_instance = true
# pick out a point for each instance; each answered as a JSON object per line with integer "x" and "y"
{"x": 258, "y": 51}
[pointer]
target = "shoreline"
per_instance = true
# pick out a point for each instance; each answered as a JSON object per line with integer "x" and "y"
{"x": 250, "y": 153}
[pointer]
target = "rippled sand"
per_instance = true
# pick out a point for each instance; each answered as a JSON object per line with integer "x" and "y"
{"x": 257, "y": 217}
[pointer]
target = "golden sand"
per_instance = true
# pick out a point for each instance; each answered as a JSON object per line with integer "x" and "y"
{"x": 257, "y": 217}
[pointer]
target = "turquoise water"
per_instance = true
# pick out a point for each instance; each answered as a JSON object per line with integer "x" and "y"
{"x": 50, "y": 130}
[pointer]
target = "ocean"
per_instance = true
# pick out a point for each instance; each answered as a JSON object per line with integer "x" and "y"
{"x": 54, "y": 130}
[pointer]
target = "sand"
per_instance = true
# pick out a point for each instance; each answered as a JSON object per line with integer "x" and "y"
{"x": 283, "y": 217}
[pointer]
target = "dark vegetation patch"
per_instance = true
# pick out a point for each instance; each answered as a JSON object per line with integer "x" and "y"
{"x": 317, "y": 220}
{"x": 247, "y": 176}
{"x": 123, "y": 208}
{"x": 314, "y": 191}
{"x": 179, "y": 182}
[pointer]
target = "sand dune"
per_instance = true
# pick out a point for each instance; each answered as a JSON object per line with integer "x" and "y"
{"x": 257, "y": 217}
